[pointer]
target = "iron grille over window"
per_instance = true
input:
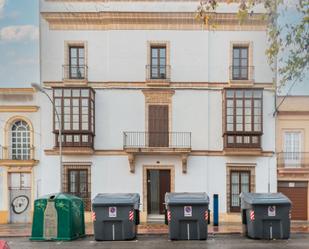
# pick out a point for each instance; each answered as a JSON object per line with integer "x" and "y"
{"x": 76, "y": 110}
{"x": 243, "y": 118}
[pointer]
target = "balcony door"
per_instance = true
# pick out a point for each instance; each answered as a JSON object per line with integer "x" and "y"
{"x": 158, "y": 184}
{"x": 158, "y": 126}
{"x": 292, "y": 148}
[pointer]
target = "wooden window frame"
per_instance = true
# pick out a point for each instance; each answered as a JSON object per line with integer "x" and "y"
{"x": 233, "y": 208}
{"x": 243, "y": 134}
{"x": 240, "y": 47}
{"x": 70, "y": 135}
{"x": 78, "y": 65}
{"x": 158, "y": 48}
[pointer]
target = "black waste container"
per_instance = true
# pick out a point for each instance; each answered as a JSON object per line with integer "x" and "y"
{"x": 266, "y": 215}
{"x": 187, "y": 215}
{"x": 115, "y": 216}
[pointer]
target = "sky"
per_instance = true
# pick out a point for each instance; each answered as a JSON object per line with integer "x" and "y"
{"x": 19, "y": 44}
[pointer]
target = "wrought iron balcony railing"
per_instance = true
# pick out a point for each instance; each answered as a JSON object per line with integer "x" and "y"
{"x": 71, "y": 72}
{"x": 293, "y": 160}
{"x": 241, "y": 73}
{"x": 157, "y": 139}
{"x": 17, "y": 153}
{"x": 155, "y": 72}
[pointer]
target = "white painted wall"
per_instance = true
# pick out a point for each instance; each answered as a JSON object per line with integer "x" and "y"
{"x": 121, "y": 55}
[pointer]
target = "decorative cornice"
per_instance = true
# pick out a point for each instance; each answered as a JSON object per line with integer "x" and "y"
{"x": 17, "y": 90}
{"x": 18, "y": 163}
{"x": 17, "y": 108}
{"x": 148, "y": 21}
{"x": 156, "y": 151}
{"x": 172, "y": 85}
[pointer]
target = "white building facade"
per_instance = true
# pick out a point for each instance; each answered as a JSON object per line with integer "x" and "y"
{"x": 153, "y": 101}
{"x": 19, "y": 152}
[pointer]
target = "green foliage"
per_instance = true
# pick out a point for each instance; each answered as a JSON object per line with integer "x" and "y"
{"x": 293, "y": 42}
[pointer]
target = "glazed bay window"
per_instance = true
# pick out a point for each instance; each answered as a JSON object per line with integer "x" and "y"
{"x": 243, "y": 118}
{"x": 76, "y": 110}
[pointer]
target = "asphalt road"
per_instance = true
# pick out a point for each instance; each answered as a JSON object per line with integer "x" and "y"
{"x": 161, "y": 242}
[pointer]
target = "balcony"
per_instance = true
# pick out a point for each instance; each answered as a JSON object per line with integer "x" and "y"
{"x": 241, "y": 74}
{"x": 158, "y": 75}
{"x": 171, "y": 140}
{"x": 163, "y": 143}
{"x": 74, "y": 73}
{"x": 293, "y": 164}
{"x": 17, "y": 156}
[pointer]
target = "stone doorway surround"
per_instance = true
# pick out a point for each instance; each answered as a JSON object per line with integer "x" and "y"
{"x": 144, "y": 197}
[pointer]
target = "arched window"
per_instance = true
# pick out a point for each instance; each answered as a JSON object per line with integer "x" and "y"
{"x": 20, "y": 141}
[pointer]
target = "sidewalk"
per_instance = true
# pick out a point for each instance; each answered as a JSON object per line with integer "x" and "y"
{"x": 24, "y": 230}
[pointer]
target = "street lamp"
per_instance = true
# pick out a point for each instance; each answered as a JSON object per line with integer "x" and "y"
{"x": 39, "y": 88}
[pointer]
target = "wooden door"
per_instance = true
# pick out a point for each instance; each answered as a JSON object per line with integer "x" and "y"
{"x": 158, "y": 183}
{"x": 158, "y": 125}
{"x": 298, "y": 196}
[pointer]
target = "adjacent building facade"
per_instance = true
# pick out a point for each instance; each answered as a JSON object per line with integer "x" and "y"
{"x": 292, "y": 145}
{"x": 150, "y": 100}
{"x": 20, "y": 143}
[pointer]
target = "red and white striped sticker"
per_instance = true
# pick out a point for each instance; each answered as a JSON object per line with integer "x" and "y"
{"x": 93, "y": 216}
{"x": 206, "y": 215}
{"x": 131, "y": 215}
{"x": 169, "y": 215}
{"x": 252, "y": 215}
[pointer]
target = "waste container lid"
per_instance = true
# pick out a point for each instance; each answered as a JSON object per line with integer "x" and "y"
{"x": 115, "y": 198}
{"x": 265, "y": 198}
{"x": 187, "y": 198}
{"x": 59, "y": 196}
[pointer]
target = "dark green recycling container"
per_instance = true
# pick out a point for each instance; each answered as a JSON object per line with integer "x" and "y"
{"x": 58, "y": 217}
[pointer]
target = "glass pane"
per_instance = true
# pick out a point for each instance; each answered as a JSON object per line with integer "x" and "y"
{"x": 229, "y": 111}
{"x": 230, "y": 103}
{"x": 236, "y": 53}
{"x": 239, "y": 103}
{"x": 84, "y": 102}
{"x": 81, "y": 52}
{"x": 239, "y": 111}
{"x": 258, "y": 94}
{"x": 76, "y": 92}
{"x": 230, "y": 93}
{"x": 230, "y": 119}
{"x": 85, "y": 126}
{"x": 236, "y": 63}
{"x": 67, "y": 93}
{"x": 229, "y": 127}
{"x": 244, "y": 52}
{"x": 58, "y": 92}
{"x": 230, "y": 139}
{"x": 239, "y": 119}
{"x": 73, "y": 52}
{"x": 239, "y": 94}
{"x": 75, "y": 126}
{"x": 239, "y": 127}
{"x": 154, "y": 52}
{"x": 248, "y": 127}
{"x": 257, "y": 127}
{"x": 85, "y": 93}
{"x": 154, "y": 190}
{"x": 162, "y": 52}
{"x": 239, "y": 139}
